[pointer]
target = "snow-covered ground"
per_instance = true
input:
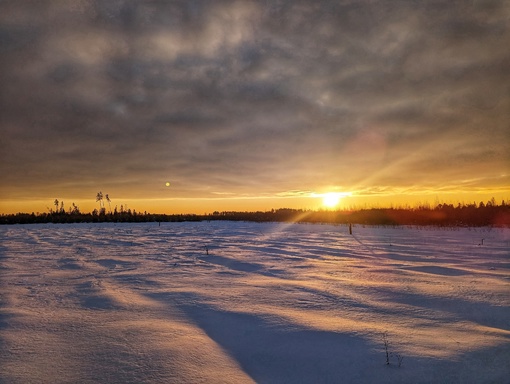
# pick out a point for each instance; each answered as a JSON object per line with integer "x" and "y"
{"x": 232, "y": 302}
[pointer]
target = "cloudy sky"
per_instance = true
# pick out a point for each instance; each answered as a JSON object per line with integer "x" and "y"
{"x": 261, "y": 103}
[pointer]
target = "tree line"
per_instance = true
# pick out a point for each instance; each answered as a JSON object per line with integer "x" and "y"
{"x": 442, "y": 215}
{"x": 447, "y": 215}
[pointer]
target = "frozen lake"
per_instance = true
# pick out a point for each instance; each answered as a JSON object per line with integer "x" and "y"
{"x": 236, "y": 302}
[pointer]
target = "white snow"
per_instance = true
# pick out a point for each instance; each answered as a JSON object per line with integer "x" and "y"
{"x": 235, "y": 302}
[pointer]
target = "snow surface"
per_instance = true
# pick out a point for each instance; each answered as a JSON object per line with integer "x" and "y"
{"x": 233, "y": 302}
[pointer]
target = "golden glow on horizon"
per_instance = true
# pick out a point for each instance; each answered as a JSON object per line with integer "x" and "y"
{"x": 314, "y": 201}
{"x": 331, "y": 199}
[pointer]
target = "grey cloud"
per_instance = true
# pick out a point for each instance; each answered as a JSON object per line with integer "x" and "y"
{"x": 223, "y": 93}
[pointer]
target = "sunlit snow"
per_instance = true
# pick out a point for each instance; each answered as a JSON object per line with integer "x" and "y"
{"x": 235, "y": 302}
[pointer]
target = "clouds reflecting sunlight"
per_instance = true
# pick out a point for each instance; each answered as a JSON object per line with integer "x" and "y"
{"x": 253, "y": 99}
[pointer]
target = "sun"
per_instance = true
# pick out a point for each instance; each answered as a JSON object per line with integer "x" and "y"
{"x": 331, "y": 199}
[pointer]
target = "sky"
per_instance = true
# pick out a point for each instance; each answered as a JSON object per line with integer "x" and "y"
{"x": 253, "y": 105}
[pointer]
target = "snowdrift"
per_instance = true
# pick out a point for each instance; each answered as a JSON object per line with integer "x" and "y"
{"x": 224, "y": 302}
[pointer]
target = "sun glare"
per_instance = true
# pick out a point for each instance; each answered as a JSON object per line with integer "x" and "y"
{"x": 331, "y": 199}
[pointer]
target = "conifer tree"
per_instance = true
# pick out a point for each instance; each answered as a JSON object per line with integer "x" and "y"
{"x": 109, "y": 202}
{"x": 99, "y": 198}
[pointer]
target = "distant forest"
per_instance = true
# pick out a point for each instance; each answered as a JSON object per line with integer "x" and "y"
{"x": 442, "y": 215}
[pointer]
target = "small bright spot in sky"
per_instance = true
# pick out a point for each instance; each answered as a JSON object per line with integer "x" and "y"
{"x": 167, "y": 184}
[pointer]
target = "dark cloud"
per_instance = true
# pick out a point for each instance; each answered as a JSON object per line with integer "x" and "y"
{"x": 244, "y": 96}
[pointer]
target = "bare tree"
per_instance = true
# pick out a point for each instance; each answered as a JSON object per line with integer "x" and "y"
{"x": 55, "y": 203}
{"x": 386, "y": 346}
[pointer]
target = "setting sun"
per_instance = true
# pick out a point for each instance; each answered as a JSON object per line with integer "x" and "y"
{"x": 331, "y": 199}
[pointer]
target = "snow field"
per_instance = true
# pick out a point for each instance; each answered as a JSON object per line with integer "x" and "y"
{"x": 232, "y": 302}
